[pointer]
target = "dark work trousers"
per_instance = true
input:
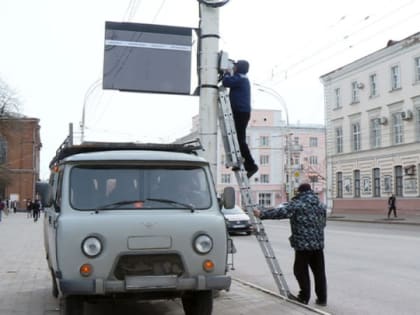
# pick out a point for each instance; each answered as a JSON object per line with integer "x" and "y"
{"x": 241, "y": 122}
{"x": 392, "y": 209}
{"x": 315, "y": 260}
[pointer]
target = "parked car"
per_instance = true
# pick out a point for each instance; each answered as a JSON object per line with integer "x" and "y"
{"x": 237, "y": 220}
{"x": 282, "y": 205}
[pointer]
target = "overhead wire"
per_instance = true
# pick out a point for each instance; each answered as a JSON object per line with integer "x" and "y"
{"x": 326, "y": 47}
{"x": 329, "y": 57}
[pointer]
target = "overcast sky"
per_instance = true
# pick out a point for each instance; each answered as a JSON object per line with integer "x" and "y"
{"x": 51, "y": 53}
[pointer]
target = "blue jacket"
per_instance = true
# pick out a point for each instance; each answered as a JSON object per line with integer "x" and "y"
{"x": 307, "y": 217}
{"x": 240, "y": 91}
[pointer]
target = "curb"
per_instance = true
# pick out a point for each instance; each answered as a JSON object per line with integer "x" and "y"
{"x": 382, "y": 221}
{"x": 254, "y": 286}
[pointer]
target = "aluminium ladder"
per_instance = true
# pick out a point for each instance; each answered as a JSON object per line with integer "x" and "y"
{"x": 234, "y": 159}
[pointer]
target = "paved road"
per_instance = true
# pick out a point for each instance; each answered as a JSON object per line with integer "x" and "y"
{"x": 372, "y": 268}
{"x": 26, "y": 288}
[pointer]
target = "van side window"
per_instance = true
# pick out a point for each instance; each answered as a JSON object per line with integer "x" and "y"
{"x": 58, "y": 192}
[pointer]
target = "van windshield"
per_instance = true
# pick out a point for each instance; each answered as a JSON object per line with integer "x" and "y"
{"x": 139, "y": 187}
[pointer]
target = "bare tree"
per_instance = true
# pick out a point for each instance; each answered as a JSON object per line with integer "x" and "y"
{"x": 9, "y": 100}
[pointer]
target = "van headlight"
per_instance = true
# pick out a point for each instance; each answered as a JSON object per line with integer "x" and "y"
{"x": 91, "y": 246}
{"x": 203, "y": 244}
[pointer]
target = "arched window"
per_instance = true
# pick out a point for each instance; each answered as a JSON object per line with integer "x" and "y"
{"x": 3, "y": 150}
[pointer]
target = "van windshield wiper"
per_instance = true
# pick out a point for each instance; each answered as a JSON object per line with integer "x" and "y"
{"x": 118, "y": 204}
{"x": 186, "y": 205}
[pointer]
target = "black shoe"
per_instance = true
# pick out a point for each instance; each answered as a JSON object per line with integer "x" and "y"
{"x": 321, "y": 303}
{"x": 297, "y": 299}
{"x": 252, "y": 171}
{"x": 236, "y": 168}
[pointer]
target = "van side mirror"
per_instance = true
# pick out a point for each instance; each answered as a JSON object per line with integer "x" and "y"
{"x": 228, "y": 198}
{"x": 44, "y": 191}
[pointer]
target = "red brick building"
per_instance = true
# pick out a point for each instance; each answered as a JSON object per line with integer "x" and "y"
{"x": 20, "y": 146}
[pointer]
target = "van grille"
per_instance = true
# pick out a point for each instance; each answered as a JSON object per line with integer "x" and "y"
{"x": 148, "y": 265}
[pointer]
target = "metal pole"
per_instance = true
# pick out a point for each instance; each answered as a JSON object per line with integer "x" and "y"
{"x": 89, "y": 91}
{"x": 70, "y": 142}
{"x": 208, "y": 57}
{"x": 289, "y": 172}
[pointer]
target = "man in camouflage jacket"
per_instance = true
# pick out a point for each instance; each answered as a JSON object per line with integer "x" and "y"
{"x": 307, "y": 217}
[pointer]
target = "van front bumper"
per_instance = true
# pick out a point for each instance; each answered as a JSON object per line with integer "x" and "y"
{"x": 143, "y": 284}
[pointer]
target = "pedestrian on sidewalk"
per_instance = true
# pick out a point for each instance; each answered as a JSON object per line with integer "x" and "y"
{"x": 36, "y": 208}
{"x": 1, "y": 208}
{"x": 392, "y": 206}
{"x": 6, "y": 209}
{"x": 307, "y": 217}
{"x": 240, "y": 102}
{"x": 29, "y": 205}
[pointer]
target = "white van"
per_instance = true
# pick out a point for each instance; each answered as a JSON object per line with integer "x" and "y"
{"x": 135, "y": 220}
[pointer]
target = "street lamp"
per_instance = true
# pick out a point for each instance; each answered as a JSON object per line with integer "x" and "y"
{"x": 278, "y": 97}
{"x": 89, "y": 91}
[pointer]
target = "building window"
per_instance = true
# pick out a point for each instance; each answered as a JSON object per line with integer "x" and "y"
{"x": 264, "y": 199}
{"x": 373, "y": 85}
{"x": 417, "y": 123}
{"x": 417, "y": 69}
{"x": 264, "y": 141}
{"x": 339, "y": 139}
{"x": 264, "y": 178}
{"x": 296, "y": 140}
{"x": 264, "y": 159}
{"x": 398, "y": 180}
{"x": 354, "y": 92}
{"x": 397, "y": 128}
{"x": 313, "y": 178}
{"x": 337, "y": 98}
{"x": 3, "y": 150}
{"x": 375, "y": 135}
{"x": 395, "y": 78}
{"x": 313, "y": 160}
{"x": 376, "y": 183}
{"x": 339, "y": 185}
{"x": 355, "y": 129}
{"x": 313, "y": 142}
{"x": 225, "y": 178}
{"x": 356, "y": 175}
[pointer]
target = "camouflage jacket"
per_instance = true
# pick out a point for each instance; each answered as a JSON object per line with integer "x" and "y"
{"x": 307, "y": 217}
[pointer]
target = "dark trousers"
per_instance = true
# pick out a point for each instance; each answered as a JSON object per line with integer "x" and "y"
{"x": 315, "y": 260}
{"x": 241, "y": 120}
{"x": 36, "y": 215}
{"x": 392, "y": 209}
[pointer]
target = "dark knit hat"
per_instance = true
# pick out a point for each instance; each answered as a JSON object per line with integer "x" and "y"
{"x": 242, "y": 66}
{"x": 304, "y": 187}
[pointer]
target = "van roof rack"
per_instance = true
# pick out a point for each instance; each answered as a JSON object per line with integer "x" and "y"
{"x": 66, "y": 150}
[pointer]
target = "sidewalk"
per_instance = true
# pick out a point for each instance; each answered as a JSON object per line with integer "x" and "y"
{"x": 26, "y": 285}
{"x": 374, "y": 218}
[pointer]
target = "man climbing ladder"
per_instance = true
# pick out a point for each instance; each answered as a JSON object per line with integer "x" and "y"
{"x": 240, "y": 101}
{"x": 234, "y": 160}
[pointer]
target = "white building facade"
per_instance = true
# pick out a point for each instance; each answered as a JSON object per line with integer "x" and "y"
{"x": 271, "y": 142}
{"x": 372, "y": 110}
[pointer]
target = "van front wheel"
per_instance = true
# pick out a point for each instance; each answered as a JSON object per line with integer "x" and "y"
{"x": 54, "y": 285}
{"x": 71, "y": 305}
{"x": 198, "y": 303}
